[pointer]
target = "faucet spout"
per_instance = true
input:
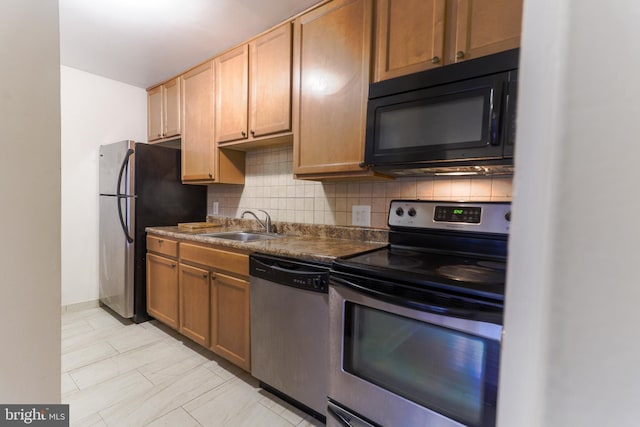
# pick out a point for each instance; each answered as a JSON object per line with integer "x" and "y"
{"x": 267, "y": 221}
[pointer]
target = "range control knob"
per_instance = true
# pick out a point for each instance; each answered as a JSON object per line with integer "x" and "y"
{"x": 507, "y": 216}
{"x": 399, "y": 211}
{"x": 411, "y": 212}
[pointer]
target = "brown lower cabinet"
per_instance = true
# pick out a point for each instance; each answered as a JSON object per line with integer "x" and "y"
{"x": 230, "y": 319}
{"x": 204, "y": 294}
{"x": 162, "y": 289}
{"x": 195, "y": 291}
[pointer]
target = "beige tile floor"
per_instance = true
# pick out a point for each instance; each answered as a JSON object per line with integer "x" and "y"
{"x": 116, "y": 373}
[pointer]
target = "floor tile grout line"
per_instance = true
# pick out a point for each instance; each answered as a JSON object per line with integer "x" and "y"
{"x": 167, "y": 384}
{"x": 217, "y": 367}
{"x": 68, "y": 371}
{"x": 118, "y": 402}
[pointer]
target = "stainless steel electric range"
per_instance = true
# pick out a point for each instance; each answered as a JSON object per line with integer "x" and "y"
{"x": 415, "y": 328}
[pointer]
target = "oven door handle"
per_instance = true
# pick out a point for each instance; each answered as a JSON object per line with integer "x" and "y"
{"x": 419, "y": 305}
{"x": 346, "y": 418}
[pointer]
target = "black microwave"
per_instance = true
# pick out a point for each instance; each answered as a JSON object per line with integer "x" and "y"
{"x": 454, "y": 120}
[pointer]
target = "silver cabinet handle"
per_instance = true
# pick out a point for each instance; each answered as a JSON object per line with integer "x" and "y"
{"x": 435, "y": 60}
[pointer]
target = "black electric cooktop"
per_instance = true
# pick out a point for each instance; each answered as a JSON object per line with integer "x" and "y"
{"x": 461, "y": 274}
{"x": 455, "y": 247}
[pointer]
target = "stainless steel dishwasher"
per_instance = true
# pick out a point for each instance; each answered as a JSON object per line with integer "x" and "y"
{"x": 289, "y": 330}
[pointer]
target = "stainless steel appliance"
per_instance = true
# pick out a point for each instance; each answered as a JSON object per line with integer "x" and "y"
{"x": 139, "y": 186}
{"x": 455, "y": 119}
{"x": 415, "y": 328}
{"x": 289, "y": 329}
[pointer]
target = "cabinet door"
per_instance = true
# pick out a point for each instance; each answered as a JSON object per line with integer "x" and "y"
{"x": 162, "y": 289}
{"x": 270, "y": 100}
{"x": 230, "y": 320}
{"x": 171, "y": 108}
{"x": 232, "y": 93}
{"x": 194, "y": 304}
{"x": 410, "y": 36}
{"x": 485, "y": 27}
{"x": 154, "y": 111}
{"x": 332, "y": 46}
{"x": 198, "y": 154}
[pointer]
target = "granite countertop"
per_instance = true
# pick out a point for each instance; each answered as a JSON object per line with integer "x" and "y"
{"x": 310, "y": 242}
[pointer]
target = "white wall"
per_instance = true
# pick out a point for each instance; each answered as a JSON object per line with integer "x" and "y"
{"x": 30, "y": 191}
{"x": 95, "y": 111}
{"x": 572, "y": 346}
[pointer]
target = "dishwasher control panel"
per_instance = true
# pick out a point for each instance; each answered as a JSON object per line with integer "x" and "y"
{"x": 289, "y": 272}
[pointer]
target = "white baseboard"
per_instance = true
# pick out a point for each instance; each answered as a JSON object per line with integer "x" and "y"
{"x": 80, "y": 306}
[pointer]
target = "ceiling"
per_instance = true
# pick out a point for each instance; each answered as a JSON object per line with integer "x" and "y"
{"x": 144, "y": 42}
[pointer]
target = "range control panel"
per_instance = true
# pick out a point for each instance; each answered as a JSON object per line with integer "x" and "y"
{"x": 482, "y": 217}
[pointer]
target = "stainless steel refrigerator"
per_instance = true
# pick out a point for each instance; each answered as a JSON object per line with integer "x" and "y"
{"x": 140, "y": 186}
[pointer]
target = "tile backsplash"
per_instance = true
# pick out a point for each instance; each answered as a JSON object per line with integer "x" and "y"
{"x": 270, "y": 185}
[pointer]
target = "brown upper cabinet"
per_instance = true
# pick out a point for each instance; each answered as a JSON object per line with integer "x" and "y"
{"x": 332, "y": 66}
{"x": 253, "y": 90}
{"x": 202, "y": 161}
{"x": 164, "y": 110}
{"x": 416, "y": 35}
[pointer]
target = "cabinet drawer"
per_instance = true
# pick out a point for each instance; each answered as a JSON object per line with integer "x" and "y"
{"x": 215, "y": 258}
{"x": 162, "y": 246}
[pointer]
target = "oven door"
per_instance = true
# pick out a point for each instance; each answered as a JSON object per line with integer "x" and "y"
{"x": 396, "y": 365}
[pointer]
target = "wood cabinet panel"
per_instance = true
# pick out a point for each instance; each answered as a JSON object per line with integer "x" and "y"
{"x": 230, "y": 318}
{"x": 270, "y": 100}
{"x": 155, "y": 113}
{"x": 232, "y": 94}
{"x": 162, "y": 246}
{"x": 162, "y": 289}
{"x": 410, "y": 36}
{"x": 172, "y": 108}
{"x": 416, "y": 35}
{"x": 218, "y": 259}
{"x": 253, "y": 91}
{"x": 164, "y": 110}
{"x": 485, "y": 27}
{"x": 332, "y": 46}
{"x": 195, "y": 294}
{"x": 198, "y": 153}
{"x": 202, "y": 161}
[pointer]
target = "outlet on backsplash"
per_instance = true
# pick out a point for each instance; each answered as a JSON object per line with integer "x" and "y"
{"x": 361, "y": 215}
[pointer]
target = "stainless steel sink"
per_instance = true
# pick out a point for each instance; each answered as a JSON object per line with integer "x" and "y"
{"x": 243, "y": 236}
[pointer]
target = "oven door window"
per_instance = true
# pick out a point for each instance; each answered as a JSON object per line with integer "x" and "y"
{"x": 447, "y": 371}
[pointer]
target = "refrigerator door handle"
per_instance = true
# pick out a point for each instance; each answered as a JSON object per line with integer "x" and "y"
{"x": 121, "y": 196}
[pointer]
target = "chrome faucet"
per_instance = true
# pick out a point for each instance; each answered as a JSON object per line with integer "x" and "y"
{"x": 267, "y": 220}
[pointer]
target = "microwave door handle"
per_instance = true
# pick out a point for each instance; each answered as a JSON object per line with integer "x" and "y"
{"x": 495, "y": 119}
{"x": 497, "y": 107}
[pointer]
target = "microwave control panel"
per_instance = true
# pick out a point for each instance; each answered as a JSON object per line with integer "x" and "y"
{"x": 484, "y": 217}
